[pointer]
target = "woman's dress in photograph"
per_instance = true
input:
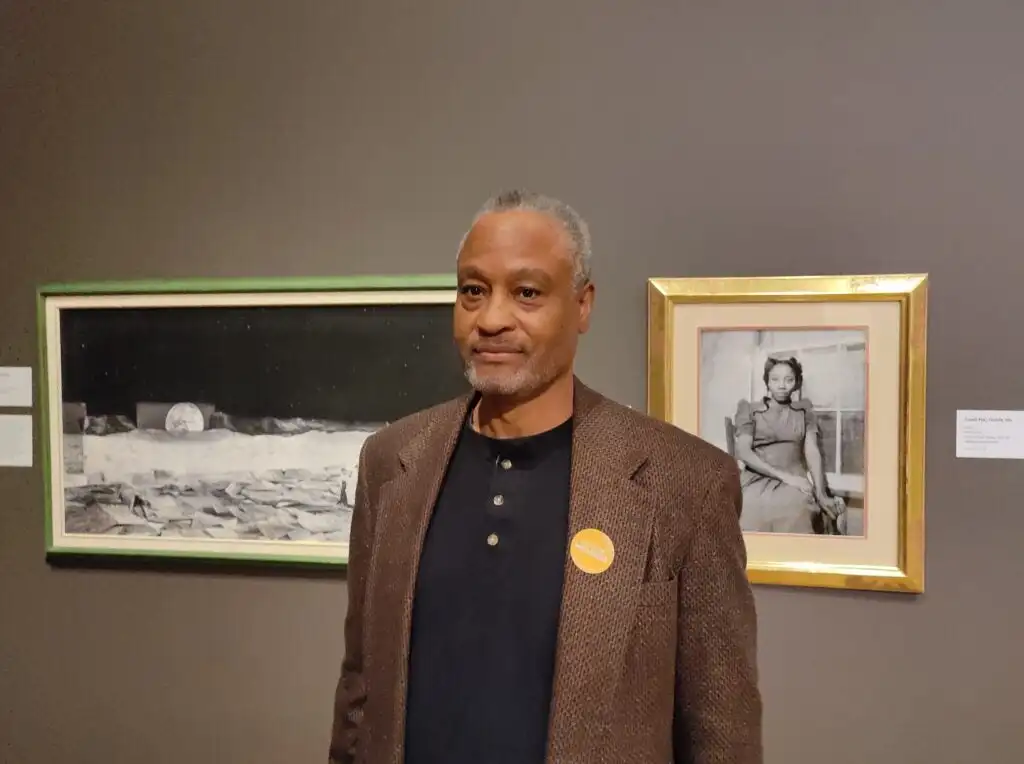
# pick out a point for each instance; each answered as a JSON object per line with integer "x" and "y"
{"x": 778, "y": 434}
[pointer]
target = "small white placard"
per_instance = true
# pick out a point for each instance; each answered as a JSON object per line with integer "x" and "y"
{"x": 16, "y": 386}
{"x": 990, "y": 434}
{"x": 15, "y": 440}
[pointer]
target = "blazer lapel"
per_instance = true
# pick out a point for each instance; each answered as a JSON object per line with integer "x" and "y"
{"x": 405, "y": 506}
{"x": 597, "y": 609}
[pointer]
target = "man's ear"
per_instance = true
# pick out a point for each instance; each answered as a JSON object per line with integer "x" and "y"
{"x": 586, "y": 304}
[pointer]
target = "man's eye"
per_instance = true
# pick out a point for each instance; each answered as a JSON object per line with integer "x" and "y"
{"x": 529, "y": 293}
{"x": 472, "y": 290}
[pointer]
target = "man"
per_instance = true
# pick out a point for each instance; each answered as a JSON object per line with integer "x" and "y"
{"x": 539, "y": 574}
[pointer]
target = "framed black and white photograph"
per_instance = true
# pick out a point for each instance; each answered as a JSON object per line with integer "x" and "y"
{"x": 790, "y": 405}
{"x": 815, "y": 386}
{"x": 224, "y": 419}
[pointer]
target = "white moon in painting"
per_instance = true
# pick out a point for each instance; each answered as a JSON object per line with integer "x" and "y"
{"x": 184, "y": 417}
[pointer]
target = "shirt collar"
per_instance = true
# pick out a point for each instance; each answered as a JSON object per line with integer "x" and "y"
{"x": 522, "y": 451}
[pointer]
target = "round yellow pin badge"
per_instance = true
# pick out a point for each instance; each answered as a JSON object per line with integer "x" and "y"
{"x": 592, "y": 551}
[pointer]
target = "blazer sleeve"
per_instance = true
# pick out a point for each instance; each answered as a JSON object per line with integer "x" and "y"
{"x": 718, "y": 701}
{"x": 350, "y": 695}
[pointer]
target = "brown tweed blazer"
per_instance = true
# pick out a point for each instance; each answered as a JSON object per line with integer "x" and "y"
{"x": 656, "y": 656}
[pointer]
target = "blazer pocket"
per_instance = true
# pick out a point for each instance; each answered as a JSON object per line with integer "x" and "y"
{"x": 658, "y": 594}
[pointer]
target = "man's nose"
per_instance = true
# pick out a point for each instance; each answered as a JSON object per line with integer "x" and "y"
{"x": 495, "y": 317}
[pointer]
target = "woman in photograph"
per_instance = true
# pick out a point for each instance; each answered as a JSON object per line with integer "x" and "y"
{"x": 784, "y": 488}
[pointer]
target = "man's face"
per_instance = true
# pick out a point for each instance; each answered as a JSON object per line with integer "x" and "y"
{"x": 518, "y": 315}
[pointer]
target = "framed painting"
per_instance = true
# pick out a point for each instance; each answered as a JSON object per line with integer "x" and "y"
{"x": 224, "y": 419}
{"x": 816, "y": 387}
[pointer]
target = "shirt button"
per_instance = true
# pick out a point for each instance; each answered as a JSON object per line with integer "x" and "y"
{"x": 492, "y": 540}
{"x": 499, "y": 500}
{"x": 506, "y": 464}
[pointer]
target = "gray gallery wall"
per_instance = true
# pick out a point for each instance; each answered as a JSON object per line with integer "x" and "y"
{"x": 213, "y": 138}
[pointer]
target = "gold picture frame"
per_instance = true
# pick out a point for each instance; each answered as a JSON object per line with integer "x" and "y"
{"x": 850, "y": 512}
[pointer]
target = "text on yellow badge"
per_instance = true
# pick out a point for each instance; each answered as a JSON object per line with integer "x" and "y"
{"x": 592, "y": 551}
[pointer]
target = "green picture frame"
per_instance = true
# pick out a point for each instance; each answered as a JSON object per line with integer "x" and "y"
{"x": 221, "y": 419}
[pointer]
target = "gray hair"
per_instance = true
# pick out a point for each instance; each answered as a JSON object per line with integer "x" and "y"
{"x": 573, "y": 223}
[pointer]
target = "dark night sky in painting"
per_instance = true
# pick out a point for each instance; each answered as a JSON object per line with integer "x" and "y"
{"x": 350, "y": 363}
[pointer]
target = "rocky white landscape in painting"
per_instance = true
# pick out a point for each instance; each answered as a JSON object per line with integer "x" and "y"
{"x": 270, "y": 479}
{"x": 216, "y": 425}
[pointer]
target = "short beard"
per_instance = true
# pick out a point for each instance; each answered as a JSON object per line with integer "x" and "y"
{"x": 519, "y": 383}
